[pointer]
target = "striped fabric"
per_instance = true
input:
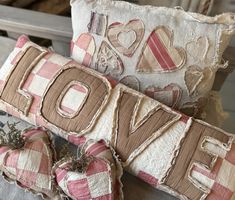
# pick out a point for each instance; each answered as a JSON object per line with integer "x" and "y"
{"x": 159, "y": 55}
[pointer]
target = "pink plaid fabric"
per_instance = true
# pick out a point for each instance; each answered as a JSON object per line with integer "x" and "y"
{"x": 38, "y": 81}
{"x": 221, "y": 180}
{"x": 98, "y": 182}
{"x": 94, "y": 184}
{"x": 84, "y": 48}
{"x": 32, "y": 165}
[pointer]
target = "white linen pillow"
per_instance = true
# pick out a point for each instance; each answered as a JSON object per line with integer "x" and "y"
{"x": 172, "y": 58}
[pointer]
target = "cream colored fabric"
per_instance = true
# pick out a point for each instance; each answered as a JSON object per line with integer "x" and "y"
{"x": 176, "y": 59}
{"x": 155, "y": 155}
{"x": 201, "y": 6}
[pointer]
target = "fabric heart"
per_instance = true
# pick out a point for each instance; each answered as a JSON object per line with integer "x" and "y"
{"x": 95, "y": 175}
{"x": 126, "y": 37}
{"x": 196, "y": 108}
{"x": 131, "y": 81}
{"x": 198, "y": 49}
{"x": 83, "y": 49}
{"x": 30, "y": 167}
{"x": 196, "y": 79}
{"x": 159, "y": 54}
{"x": 108, "y": 62}
{"x": 169, "y": 95}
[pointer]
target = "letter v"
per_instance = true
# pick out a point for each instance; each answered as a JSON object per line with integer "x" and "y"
{"x": 130, "y": 138}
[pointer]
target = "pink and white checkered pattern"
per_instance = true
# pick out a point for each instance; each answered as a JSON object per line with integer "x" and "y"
{"x": 32, "y": 165}
{"x": 83, "y": 49}
{"x": 38, "y": 81}
{"x": 78, "y": 93}
{"x": 95, "y": 183}
{"x": 221, "y": 180}
{"x": 101, "y": 181}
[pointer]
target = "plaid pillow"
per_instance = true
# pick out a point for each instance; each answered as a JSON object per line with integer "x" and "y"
{"x": 30, "y": 167}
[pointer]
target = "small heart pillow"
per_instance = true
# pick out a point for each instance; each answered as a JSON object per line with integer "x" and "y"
{"x": 30, "y": 165}
{"x": 95, "y": 175}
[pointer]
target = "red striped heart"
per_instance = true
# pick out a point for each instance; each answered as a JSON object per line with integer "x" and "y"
{"x": 159, "y": 54}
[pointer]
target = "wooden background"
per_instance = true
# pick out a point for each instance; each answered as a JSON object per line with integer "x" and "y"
{"x": 58, "y": 7}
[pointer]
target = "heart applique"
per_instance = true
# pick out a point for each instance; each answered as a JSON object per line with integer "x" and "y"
{"x": 169, "y": 95}
{"x": 83, "y": 49}
{"x": 198, "y": 49}
{"x": 159, "y": 54}
{"x": 95, "y": 175}
{"x": 108, "y": 62}
{"x": 126, "y": 38}
{"x": 196, "y": 79}
{"x": 131, "y": 81}
{"x": 194, "y": 109}
{"x": 30, "y": 167}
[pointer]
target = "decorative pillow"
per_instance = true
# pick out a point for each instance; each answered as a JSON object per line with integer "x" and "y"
{"x": 200, "y": 6}
{"x": 27, "y": 160}
{"x": 172, "y": 58}
{"x": 186, "y": 157}
{"x": 95, "y": 175}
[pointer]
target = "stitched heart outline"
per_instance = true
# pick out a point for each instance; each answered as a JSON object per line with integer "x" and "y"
{"x": 135, "y": 26}
{"x": 159, "y": 55}
{"x": 198, "y": 49}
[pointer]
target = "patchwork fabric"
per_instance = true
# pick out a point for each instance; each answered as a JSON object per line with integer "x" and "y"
{"x": 157, "y": 52}
{"x": 100, "y": 180}
{"x": 142, "y": 130}
{"x": 84, "y": 47}
{"x": 31, "y": 166}
{"x": 78, "y": 93}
